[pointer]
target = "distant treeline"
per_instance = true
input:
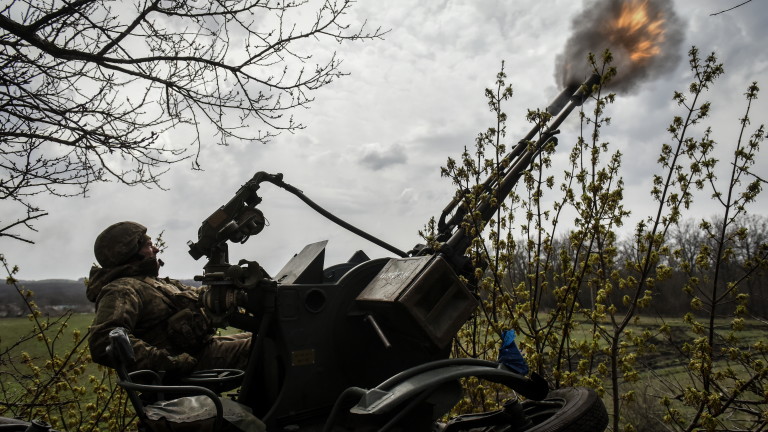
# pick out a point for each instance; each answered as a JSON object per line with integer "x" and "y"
{"x": 53, "y": 296}
{"x": 688, "y": 256}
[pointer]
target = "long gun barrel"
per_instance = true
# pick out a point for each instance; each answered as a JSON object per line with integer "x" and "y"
{"x": 455, "y": 240}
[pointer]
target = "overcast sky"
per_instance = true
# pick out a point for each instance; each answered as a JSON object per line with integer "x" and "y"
{"x": 375, "y": 140}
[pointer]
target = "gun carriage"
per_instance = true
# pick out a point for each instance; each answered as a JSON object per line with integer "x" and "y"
{"x": 326, "y": 334}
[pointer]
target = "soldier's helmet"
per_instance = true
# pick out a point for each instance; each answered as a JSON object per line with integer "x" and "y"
{"x": 119, "y": 243}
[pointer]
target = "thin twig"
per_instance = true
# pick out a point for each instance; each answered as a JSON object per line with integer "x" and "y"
{"x": 724, "y": 11}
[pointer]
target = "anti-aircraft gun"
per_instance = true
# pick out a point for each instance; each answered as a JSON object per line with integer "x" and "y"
{"x": 323, "y": 335}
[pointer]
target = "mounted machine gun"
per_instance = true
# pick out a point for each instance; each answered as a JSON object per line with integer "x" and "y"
{"x": 325, "y": 335}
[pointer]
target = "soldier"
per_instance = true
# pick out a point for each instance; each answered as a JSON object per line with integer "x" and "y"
{"x": 167, "y": 328}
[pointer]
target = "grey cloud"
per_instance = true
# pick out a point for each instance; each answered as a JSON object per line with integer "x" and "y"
{"x": 377, "y": 157}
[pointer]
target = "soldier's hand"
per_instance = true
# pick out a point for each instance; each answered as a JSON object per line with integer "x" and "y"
{"x": 181, "y": 364}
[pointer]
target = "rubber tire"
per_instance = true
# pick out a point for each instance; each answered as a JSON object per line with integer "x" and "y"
{"x": 15, "y": 425}
{"x": 571, "y": 409}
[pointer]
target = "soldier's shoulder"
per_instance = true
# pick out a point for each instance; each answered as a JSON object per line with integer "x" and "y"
{"x": 121, "y": 288}
{"x": 129, "y": 283}
{"x": 175, "y": 283}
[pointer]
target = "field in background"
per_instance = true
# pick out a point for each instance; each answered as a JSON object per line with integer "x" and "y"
{"x": 16, "y": 338}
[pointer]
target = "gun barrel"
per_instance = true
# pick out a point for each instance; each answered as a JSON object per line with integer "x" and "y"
{"x": 517, "y": 161}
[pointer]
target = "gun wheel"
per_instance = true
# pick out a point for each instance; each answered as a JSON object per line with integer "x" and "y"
{"x": 573, "y": 409}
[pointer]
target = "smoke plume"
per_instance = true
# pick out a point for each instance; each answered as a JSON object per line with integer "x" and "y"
{"x": 644, "y": 36}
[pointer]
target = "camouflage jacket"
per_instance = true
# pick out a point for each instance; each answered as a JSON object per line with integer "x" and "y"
{"x": 147, "y": 307}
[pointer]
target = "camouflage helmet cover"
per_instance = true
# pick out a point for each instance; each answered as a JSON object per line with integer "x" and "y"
{"x": 118, "y": 243}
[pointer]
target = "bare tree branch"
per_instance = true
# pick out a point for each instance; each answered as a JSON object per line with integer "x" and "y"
{"x": 730, "y": 9}
{"x": 90, "y": 88}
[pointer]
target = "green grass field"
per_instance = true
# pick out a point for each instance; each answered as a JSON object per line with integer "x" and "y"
{"x": 12, "y": 330}
{"x": 17, "y": 340}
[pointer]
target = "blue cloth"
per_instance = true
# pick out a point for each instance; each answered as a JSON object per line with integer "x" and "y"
{"x": 510, "y": 355}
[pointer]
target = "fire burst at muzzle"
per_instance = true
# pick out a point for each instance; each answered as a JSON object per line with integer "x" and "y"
{"x": 644, "y": 37}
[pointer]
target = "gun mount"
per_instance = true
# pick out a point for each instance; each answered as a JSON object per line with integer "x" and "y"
{"x": 323, "y": 332}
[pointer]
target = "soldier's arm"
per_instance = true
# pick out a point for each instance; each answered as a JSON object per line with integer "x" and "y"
{"x": 119, "y": 306}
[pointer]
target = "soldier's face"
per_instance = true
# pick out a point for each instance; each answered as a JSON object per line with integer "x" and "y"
{"x": 149, "y": 250}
